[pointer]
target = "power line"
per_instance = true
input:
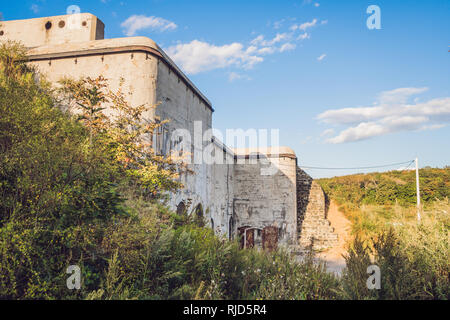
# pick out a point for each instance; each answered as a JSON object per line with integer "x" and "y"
{"x": 355, "y": 168}
{"x": 409, "y": 165}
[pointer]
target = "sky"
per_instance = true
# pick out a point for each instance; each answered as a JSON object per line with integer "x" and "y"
{"x": 341, "y": 94}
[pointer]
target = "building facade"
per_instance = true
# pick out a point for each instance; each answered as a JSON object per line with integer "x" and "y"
{"x": 258, "y": 195}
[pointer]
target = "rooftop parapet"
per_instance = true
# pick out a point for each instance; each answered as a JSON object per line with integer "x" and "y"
{"x": 37, "y": 32}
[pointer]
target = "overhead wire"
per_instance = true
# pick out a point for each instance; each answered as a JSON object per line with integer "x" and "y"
{"x": 358, "y": 168}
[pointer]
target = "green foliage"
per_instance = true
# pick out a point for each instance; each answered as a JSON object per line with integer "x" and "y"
{"x": 388, "y": 188}
{"x": 417, "y": 269}
{"x": 84, "y": 189}
{"x": 412, "y": 256}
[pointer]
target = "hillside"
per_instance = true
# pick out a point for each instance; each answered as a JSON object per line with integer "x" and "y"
{"x": 388, "y": 188}
{"x": 384, "y": 229}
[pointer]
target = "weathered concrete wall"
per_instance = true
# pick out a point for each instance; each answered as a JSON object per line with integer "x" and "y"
{"x": 138, "y": 66}
{"x": 314, "y": 228}
{"x": 53, "y": 30}
{"x": 221, "y": 184}
{"x": 183, "y": 108}
{"x": 135, "y": 71}
{"x": 236, "y": 193}
{"x": 267, "y": 200}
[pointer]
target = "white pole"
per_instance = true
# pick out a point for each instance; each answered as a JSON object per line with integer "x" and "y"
{"x": 417, "y": 189}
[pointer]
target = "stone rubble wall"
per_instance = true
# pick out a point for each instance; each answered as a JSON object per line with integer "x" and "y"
{"x": 314, "y": 228}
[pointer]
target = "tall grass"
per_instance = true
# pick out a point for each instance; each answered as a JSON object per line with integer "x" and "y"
{"x": 413, "y": 256}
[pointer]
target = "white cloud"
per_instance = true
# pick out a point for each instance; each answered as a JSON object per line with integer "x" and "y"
{"x": 316, "y": 4}
{"x": 278, "y": 24}
{"x": 306, "y": 140}
{"x": 35, "y": 8}
{"x": 321, "y": 57}
{"x": 200, "y": 56}
{"x": 303, "y": 36}
{"x": 266, "y": 50}
{"x": 327, "y": 132}
{"x": 139, "y": 22}
{"x": 259, "y": 40}
{"x": 391, "y": 113}
{"x": 304, "y": 26}
{"x": 197, "y": 56}
{"x": 232, "y": 76}
{"x": 287, "y": 47}
{"x": 307, "y": 25}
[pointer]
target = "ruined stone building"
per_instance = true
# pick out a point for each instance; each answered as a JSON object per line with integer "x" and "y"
{"x": 234, "y": 197}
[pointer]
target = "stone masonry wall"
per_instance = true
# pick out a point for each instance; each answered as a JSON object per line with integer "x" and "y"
{"x": 263, "y": 200}
{"x": 313, "y": 226}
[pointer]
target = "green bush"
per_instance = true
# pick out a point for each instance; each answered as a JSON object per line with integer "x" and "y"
{"x": 83, "y": 190}
{"x": 412, "y": 267}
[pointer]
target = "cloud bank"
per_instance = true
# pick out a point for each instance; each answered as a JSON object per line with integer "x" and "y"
{"x": 392, "y": 112}
{"x": 200, "y": 56}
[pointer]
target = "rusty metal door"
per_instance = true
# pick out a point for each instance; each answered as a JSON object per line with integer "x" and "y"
{"x": 247, "y": 237}
{"x": 270, "y": 238}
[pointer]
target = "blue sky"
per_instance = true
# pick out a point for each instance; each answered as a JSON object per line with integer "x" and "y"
{"x": 340, "y": 94}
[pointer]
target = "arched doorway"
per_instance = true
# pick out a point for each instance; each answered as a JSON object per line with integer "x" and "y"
{"x": 198, "y": 215}
{"x": 181, "y": 208}
{"x": 199, "y": 210}
{"x": 231, "y": 228}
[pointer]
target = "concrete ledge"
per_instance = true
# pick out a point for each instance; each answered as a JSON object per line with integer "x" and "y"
{"x": 270, "y": 152}
{"x": 112, "y": 46}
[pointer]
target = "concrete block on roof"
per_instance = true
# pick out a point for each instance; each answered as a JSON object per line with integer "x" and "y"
{"x": 53, "y": 30}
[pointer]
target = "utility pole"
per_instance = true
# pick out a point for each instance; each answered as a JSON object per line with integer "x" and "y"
{"x": 417, "y": 189}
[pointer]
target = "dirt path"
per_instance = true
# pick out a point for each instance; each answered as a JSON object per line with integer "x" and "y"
{"x": 342, "y": 227}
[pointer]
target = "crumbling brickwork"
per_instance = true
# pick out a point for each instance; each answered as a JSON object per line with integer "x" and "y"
{"x": 314, "y": 228}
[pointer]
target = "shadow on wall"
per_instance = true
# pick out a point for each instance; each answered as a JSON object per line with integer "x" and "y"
{"x": 304, "y": 182}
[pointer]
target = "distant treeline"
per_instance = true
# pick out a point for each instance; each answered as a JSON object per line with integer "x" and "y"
{"x": 385, "y": 188}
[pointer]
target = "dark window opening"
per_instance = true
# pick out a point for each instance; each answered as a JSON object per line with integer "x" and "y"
{"x": 181, "y": 208}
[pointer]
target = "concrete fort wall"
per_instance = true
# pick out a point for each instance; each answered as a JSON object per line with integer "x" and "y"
{"x": 138, "y": 67}
{"x": 237, "y": 196}
{"x": 135, "y": 72}
{"x": 266, "y": 200}
{"x": 185, "y": 110}
{"x": 222, "y": 189}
